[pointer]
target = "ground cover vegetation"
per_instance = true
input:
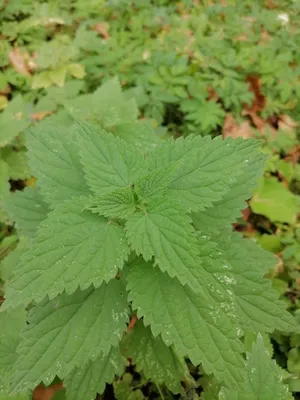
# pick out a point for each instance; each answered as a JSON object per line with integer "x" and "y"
{"x": 162, "y": 138}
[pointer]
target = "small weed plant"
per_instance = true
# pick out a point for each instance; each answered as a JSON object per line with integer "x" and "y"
{"x": 128, "y": 256}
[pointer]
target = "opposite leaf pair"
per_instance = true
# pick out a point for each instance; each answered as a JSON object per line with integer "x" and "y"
{"x": 199, "y": 172}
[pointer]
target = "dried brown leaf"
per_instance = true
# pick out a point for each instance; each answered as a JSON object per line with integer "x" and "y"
{"x": 102, "y": 29}
{"x": 259, "y": 101}
{"x": 265, "y": 37}
{"x": 270, "y": 4}
{"x": 31, "y": 62}
{"x": 18, "y": 61}
{"x": 132, "y": 323}
{"x": 294, "y": 155}
{"x": 259, "y": 123}
{"x": 246, "y": 213}
{"x": 212, "y": 95}
{"x": 241, "y": 38}
{"x": 40, "y": 115}
{"x": 286, "y": 123}
{"x": 232, "y": 129}
{"x": 45, "y": 393}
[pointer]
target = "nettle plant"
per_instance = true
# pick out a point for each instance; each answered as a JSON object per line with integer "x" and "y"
{"x": 114, "y": 234}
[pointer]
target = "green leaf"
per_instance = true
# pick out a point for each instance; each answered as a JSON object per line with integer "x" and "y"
{"x": 257, "y": 303}
{"x": 7, "y": 244}
{"x": 262, "y": 378}
{"x": 11, "y": 324}
{"x": 58, "y": 75}
{"x": 13, "y": 120}
{"x": 228, "y": 209}
{"x": 208, "y": 168}
{"x": 76, "y": 70}
{"x": 156, "y": 182}
{"x": 27, "y": 209}
{"x": 3, "y": 102}
{"x": 192, "y": 322}
{"x": 217, "y": 281}
{"x": 4, "y": 176}
{"x": 41, "y": 80}
{"x": 85, "y": 382}
{"x": 106, "y": 106}
{"x": 120, "y": 203}
{"x": 59, "y": 395}
{"x": 270, "y": 242}
{"x": 68, "y": 332}
{"x": 274, "y": 201}
{"x": 206, "y": 115}
{"x": 140, "y": 133}
{"x": 250, "y": 338}
{"x": 157, "y": 361}
{"x": 12, "y": 259}
{"x": 211, "y": 391}
{"x": 286, "y": 169}
{"x": 53, "y": 156}
{"x": 72, "y": 248}
{"x": 125, "y": 389}
{"x": 293, "y": 362}
{"x": 25, "y": 396}
{"x": 56, "y": 96}
{"x": 165, "y": 232}
{"x": 109, "y": 163}
{"x": 17, "y": 163}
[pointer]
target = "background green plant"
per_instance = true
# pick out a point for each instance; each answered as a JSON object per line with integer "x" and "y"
{"x": 187, "y": 66}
